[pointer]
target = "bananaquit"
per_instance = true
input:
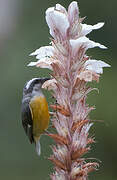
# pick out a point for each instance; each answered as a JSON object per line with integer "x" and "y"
{"x": 34, "y": 110}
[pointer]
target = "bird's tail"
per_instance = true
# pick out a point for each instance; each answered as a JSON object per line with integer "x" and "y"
{"x": 38, "y": 146}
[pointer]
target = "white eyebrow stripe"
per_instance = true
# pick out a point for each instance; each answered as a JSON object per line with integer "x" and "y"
{"x": 29, "y": 82}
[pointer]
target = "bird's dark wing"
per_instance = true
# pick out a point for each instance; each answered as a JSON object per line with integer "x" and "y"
{"x": 27, "y": 120}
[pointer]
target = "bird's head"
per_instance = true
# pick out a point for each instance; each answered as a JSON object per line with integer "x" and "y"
{"x": 34, "y": 85}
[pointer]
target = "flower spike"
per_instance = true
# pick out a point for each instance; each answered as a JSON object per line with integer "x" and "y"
{"x": 71, "y": 70}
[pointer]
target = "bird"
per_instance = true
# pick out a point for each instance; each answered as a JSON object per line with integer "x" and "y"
{"x": 34, "y": 111}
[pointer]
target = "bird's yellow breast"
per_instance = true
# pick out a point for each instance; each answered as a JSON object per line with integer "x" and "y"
{"x": 40, "y": 115}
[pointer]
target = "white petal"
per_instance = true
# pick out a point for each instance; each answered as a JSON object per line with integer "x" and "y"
{"x": 57, "y": 21}
{"x": 99, "y": 62}
{"x": 103, "y": 64}
{"x": 73, "y": 12}
{"x": 61, "y": 8}
{"x": 98, "y": 25}
{"x": 49, "y": 12}
{"x": 85, "y": 42}
{"x": 32, "y": 64}
{"x": 61, "y": 22}
{"x": 43, "y": 52}
{"x": 96, "y": 65}
{"x": 42, "y": 63}
{"x": 86, "y": 29}
{"x": 45, "y": 63}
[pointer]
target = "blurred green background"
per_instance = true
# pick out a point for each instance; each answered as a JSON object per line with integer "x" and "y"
{"x": 22, "y": 30}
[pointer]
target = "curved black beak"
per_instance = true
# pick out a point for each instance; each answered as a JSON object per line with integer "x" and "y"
{"x": 44, "y": 79}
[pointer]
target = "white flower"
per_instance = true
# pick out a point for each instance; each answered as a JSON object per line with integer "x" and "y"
{"x": 73, "y": 12}
{"x": 85, "y": 43}
{"x": 42, "y": 63}
{"x": 57, "y": 22}
{"x": 86, "y": 29}
{"x": 42, "y": 52}
{"x": 96, "y": 65}
{"x": 44, "y": 55}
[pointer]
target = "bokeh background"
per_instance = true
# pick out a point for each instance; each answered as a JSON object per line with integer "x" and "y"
{"x": 22, "y": 30}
